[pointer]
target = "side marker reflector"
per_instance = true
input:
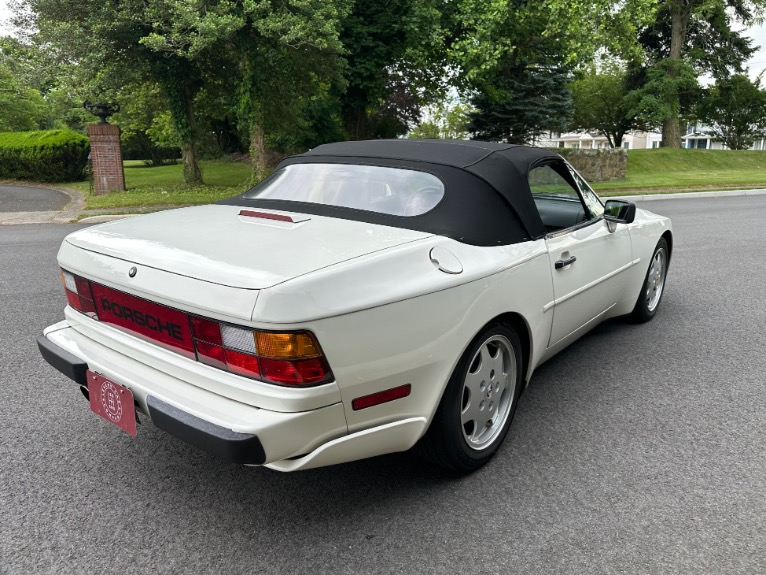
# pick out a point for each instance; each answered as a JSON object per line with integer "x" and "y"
{"x": 381, "y": 397}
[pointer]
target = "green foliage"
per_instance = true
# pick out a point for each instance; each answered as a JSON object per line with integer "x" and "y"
{"x": 735, "y": 109}
{"x": 669, "y": 90}
{"x": 687, "y": 39}
{"x": 395, "y": 59}
{"x": 445, "y": 121}
{"x": 603, "y": 103}
{"x": 163, "y": 186}
{"x": 522, "y": 105}
{"x": 668, "y": 169}
{"x": 147, "y": 125}
{"x": 496, "y": 32}
{"x": 21, "y": 108}
{"x": 49, "y": 156}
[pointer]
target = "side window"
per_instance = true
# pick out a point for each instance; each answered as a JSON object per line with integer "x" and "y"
{"x": 545, "y": 181}
{"x": 558, "y": 203}
{"x": 592, "y": 201}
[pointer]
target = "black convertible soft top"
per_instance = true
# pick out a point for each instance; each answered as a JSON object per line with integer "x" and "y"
{"x": 487, "y": 198}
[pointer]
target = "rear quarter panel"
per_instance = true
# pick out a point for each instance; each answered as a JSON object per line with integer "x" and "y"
{"x": 396, "y": 319}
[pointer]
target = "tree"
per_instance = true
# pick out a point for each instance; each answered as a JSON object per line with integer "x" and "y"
{"x": 21, "y": 108}
{"x": 493, "y": 33}
{"x": 515, "y": 58}
{"x": 521, "y": 105}
{"x": 106, "y": 43}
{"x": 602, "y": 102}
{"x": 445, "y": 121}
{"x": 689, "y": 38}
{"x": 181, "y": 46}
{"x": 735, "y": 109}
{"x": 275, "y": 51}
{"x": 395, "y": 62}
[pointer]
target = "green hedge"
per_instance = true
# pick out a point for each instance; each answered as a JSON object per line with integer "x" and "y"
{"x": 49, "y": 156}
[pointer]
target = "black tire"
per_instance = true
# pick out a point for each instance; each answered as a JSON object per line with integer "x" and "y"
{"x": 653, "y": 288}
{"x": 456, "y": 439}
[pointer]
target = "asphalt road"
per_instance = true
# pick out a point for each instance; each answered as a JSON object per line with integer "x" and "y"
{"x": 29, "y": 199}
{"x": 641, "y": 449}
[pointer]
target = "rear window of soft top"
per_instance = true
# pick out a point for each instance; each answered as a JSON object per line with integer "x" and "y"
{"x": 385, "y": 190}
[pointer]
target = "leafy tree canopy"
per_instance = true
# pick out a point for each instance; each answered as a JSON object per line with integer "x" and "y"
{"x": 735, "y": 109}
{"x": 602, "y": 103}
{"x": 690, "y": 37}
{"x": 521, "y": 105}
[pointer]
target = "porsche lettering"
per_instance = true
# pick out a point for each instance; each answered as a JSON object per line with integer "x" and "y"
{"x": 145, "y": 320}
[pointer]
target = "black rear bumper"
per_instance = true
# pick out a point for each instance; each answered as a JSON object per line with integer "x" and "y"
{"x": 70, "y": 365}
{"x": 228, "y": 445}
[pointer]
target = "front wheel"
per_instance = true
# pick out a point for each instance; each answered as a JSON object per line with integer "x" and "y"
{"x": 654, "y": 284}
{"x": 478, "y": 404}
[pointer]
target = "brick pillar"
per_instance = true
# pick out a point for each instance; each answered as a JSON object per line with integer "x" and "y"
{"x": 106, "y": 155}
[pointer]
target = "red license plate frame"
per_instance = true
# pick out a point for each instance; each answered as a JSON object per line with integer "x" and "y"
{"x": 112, "y": 401}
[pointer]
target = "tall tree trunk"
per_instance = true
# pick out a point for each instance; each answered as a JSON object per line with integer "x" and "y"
{"x": 671, "y": 134}
{"x": 258, "y": 151}
{"x": 191, "y": 170}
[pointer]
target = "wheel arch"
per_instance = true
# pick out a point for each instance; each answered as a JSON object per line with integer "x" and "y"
{"x": 521, "y": 327}
{"x": 668, "y": 237}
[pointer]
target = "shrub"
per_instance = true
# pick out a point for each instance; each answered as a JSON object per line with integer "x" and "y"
{"x": 49, "y": 156}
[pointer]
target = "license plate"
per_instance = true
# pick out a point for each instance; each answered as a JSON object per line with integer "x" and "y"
{"x": 112, "y": 401}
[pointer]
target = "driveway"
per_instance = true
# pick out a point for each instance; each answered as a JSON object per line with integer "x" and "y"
{"x": 33, "y": 205}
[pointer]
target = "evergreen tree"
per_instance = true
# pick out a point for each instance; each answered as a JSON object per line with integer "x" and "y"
{"x": 522, "y": 104}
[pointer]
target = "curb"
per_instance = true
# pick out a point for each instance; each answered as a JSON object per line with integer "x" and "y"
{"x": 691, "y": 195}
{"x": 106, "y": 218}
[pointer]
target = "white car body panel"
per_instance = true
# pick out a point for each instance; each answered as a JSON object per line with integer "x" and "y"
{"x": 591, "y": 285}
{"x": 237, "y": 251}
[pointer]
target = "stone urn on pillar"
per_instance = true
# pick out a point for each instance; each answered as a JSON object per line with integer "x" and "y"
{"x": 105, "y": 149}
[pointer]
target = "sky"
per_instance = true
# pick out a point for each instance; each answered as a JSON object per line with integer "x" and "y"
{"x": 756, "y": 64}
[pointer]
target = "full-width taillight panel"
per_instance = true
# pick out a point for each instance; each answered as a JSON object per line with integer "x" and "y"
{"x": 291, "y": 358}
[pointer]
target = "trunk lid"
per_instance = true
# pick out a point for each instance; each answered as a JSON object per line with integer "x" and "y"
{"x": 216, "y": 244}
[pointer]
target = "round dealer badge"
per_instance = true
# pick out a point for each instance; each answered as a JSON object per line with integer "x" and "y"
{"x": 110, "y": 401}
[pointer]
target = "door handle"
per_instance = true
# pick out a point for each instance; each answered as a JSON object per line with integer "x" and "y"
{"x": 561, "y": 264}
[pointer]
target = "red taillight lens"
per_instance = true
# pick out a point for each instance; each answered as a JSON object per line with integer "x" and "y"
{"x": 78, "y": 293}
{"x": 211, "y": 354}
{"x": 207, "y": 330}
{"x": 242, "y": 363}
{"x": 295, "y": 373}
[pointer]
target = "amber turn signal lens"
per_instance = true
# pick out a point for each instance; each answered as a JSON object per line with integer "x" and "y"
{"x": 286, "y": 345}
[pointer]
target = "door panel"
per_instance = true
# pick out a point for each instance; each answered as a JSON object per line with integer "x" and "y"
{"x": 590, "y": 284}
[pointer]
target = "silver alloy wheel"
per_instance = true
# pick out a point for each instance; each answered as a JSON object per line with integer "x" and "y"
{"x": 488, "y": 392}
{"x": 655, "y": 279}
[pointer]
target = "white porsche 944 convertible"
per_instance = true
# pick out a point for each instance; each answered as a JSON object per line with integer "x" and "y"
{"x": 366, "y": 298}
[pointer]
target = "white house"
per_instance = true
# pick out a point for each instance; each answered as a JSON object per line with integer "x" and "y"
{"x": 701, "y": 137}
{"x": 593, "y": 141}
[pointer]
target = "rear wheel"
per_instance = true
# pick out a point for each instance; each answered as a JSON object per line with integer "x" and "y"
{"x": 478, "y": 404}
{"x": 654, "y": 284}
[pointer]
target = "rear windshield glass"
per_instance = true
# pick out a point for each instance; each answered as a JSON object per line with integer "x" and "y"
{"x": 379, "y": 189}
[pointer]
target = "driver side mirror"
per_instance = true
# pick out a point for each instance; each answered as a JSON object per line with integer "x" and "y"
{"x": 619, "y": 211}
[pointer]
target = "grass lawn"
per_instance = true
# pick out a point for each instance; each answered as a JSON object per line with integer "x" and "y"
{"x": 163, "y": 186}
{"x": 666, "y": 170}
{"x": 649, "y": 171}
